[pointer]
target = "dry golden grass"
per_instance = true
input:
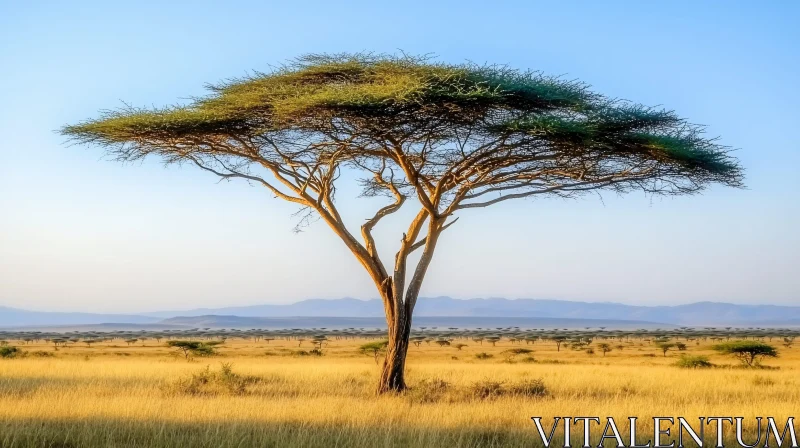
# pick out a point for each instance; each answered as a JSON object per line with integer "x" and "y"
{"x": 118, "y": 395}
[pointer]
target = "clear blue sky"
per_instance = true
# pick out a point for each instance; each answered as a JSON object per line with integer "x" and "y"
{"x": 81, "y": 233}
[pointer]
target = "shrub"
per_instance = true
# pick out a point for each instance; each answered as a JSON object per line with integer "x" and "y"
{"x": 210, "y": 383}
{"x": 428, "y": 391}
{"x": 486, "y": 390}
{"x": 518, "y": 351}
{"x": 694, "y": 362}
{"x": 550, "y": 361}
{"x": 763, "y": 381}
{"x": 483, "y": 355}
{"x": 528, "y": 388}
{"x": 9, "y": 351}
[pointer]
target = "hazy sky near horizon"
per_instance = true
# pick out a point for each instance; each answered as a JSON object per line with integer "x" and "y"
{"x": 81, "y": 233}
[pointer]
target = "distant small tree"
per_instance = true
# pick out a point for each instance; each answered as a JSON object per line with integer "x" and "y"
{"x": 194, "y": 348}
{"x": 459, "y": 346}
{"x": 374, "y": 348}
{"x": 603, "y": 347}
{"x": 680, "y": 346}
{"x": 749, "y": 353}
{"x": 665, "y": 347}
{"x": 317, "y": 341}
{"x": 559, "y": 340}
{"x": 56, "y": 342}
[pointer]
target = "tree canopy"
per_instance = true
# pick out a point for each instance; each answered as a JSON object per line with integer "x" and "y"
{"x": 348, "y": 109}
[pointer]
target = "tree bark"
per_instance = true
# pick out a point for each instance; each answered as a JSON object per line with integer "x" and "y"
{"x": 393, "y": 371}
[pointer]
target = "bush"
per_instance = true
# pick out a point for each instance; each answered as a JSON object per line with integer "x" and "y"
{"x": 763, "y": 381}
{"x": 428, "y": 391}
{"x": 436, "y": 390}
{"x": 483, "y": 356}
{"x": 528, "y": 388}
{"x": 518, "y": 351}
{"x": 9, "y": 351}
{"x": 209, "y": 383}
{"x": 487, "y": 389}
{"x": 694, "y": 362}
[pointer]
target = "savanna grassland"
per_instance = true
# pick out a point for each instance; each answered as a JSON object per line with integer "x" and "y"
{"x": 273, "y": 394}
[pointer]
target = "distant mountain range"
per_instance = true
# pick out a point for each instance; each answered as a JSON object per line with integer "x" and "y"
{"x": 12, "y": 317}
{"x": 695, "y": 314}
{"x": 221, "y": 321}
{"x": 701, "y": 313}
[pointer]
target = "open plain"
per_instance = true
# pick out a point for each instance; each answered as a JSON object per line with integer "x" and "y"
{"x": 256, "y": 392}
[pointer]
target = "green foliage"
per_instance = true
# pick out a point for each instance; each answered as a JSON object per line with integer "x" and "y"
{"x": 749, "y": 353}
{"x": 9, "y": 351}
{"x": 694, "y": 362}
{"x": 665, "y": 346}
{"x": 374, "y": 349}
{"x": 384, "y": 95}
{"x": 604, "y": 347}
{"x": 194, "y": 348}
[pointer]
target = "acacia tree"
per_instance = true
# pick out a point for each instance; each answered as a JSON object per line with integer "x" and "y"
{"x": 447, "y": 138}
{"x": 748, "y": 352}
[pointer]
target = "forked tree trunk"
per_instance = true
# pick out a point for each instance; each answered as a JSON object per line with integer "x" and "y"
{"x": 394, "y": 363}
{"x": 400, "y": 307}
